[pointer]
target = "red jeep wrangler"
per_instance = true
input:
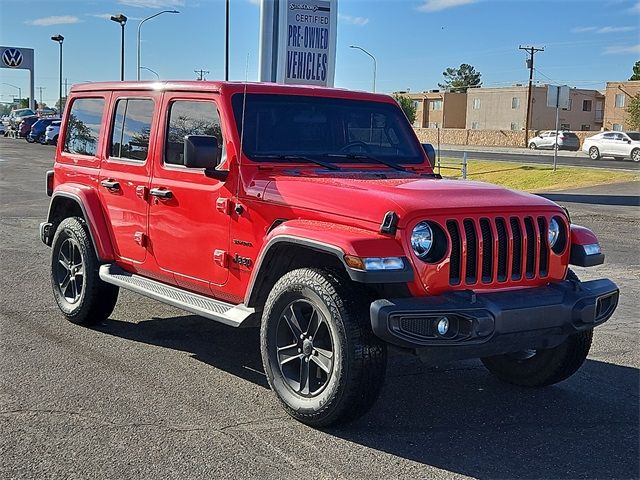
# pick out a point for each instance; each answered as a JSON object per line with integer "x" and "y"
{"x": 315, "y": 214}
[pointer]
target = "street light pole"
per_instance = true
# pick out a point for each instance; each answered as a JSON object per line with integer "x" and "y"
{"x": 374, "y": 64}
{"x": 122, "y": 20}
{"x": 15, "y": 86}
{"x": 140, "y": 26}
{"x": 152, "y": 71}
{"x": 60, "y": 39}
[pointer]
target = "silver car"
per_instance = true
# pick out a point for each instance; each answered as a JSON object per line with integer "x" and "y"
{"x": 547, "y": 139}
{"x": 619, "y": 145}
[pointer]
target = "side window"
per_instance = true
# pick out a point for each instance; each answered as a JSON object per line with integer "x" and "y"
{"x": 83, "y": 126}
{"x": 131, "y": 128}
{"x": 190, "y": 117}
{"x": 608, "y": 136}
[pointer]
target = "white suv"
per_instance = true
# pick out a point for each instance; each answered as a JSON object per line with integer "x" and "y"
{"x": 619, "y": 145}
{"x": 547, "y": 139}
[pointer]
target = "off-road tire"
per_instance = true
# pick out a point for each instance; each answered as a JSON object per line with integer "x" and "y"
{"x": 97, "y": 299}
{"x": 359, "y": 358}
{"x": 547, "y": 366}
{"x": 594, "y": 153}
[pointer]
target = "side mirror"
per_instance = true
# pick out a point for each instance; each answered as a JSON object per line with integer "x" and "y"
{"x": 431, "y": 153}
{"x": 203, "y": 151}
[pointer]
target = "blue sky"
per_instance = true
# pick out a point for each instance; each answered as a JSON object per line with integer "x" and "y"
{"x": 586, "y": 42}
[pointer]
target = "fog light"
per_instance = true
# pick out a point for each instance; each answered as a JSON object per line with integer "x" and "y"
{"x": 443, "y": 326}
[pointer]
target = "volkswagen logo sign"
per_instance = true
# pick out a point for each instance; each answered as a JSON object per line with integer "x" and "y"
{"x": 12, "y": 57}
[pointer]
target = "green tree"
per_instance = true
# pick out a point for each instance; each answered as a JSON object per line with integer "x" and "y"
{"x": 636, "y": 71}
{"x": 461, "y": 78}
{"x": 633, "y": 109}
{"x": 407, "y": 106}
{"x": 64, "y": 100}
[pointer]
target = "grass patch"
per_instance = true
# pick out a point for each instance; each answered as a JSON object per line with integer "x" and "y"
{"x": 536, "y": 178}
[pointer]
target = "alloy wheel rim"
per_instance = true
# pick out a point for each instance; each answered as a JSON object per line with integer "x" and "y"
{"x": 636, "y": 156}
{"x": 70, "y": 271}
{"x": 305, "y": 351}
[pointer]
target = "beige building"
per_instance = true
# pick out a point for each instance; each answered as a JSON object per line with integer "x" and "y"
{"x": 436, "y": 109}
{"x": 618, "y": 95}
{"x": 505, "y": 109}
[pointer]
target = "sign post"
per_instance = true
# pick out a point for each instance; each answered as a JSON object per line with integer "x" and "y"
{"x": 298, "y": 41}
{"x": 18, "y": 58}
{"x": 557, "y": 96}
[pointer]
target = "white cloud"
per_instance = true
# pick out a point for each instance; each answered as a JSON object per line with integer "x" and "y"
{"x": 153, "y": 3}
{"x": 106, "y": 16}
{"x": 635, "y": 8}
{"x": 615, "y": 29}
{"x": 619, "y": 49}
{"x": 54, "y": 20}
{"x": 360, "y": 21}
{"x": 583, "y": 29}
{"x": 437, "y": 5}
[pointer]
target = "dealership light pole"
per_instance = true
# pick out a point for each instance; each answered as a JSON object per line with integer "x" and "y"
{"x": 139, "y": 26}
{"x": 60, "y": 39}
{"x": 374, "y": 64}
{"x": 122, "y": 20}
{"x": 15, "y": 86}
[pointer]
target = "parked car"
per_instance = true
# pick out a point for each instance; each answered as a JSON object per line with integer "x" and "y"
{"x": 37, "y": 133}
{"x": 25, "y": 126}
{"x": 51, "y": 133}
{"x": 547, "y": 139}
{"x": 3, "y": 129}
{"x": 17, "y": 115}
{"x": 619, "y": 145}
{"x": 315, "y": 214}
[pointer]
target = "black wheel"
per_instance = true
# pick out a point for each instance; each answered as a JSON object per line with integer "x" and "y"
{"x": 540, "y": 368}
{"x": 635, "y": 155}
{"x": 41, "y": 139}
{"x": 82, "y": 297}
{"x": 533, "y": 146}
{"x": 594, "y": 153}
{"x": 29, "y": 138}
{"x": 319, "y": 353}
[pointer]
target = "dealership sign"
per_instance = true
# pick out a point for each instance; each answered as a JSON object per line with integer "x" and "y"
{"x": 298, "y": 41}
{"x": 18, "y": 58}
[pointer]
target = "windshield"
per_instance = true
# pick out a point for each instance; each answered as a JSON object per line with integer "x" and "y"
{"x": 634, "y": 135}
{"x": 333, "y": 129}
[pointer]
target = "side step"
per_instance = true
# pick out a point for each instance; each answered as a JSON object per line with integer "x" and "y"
{"x": 226, "y": 313}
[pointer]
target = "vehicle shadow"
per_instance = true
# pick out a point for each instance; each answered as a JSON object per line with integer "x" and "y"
{"x": 624, "y": 200}
{"x": 457, "y": 417}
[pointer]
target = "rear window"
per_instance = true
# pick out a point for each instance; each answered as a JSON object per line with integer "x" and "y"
{"x": 634, "y": 136}
{"x": 83, "y": 126}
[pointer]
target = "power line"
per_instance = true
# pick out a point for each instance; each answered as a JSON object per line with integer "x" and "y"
{"x": 202, "y": 74}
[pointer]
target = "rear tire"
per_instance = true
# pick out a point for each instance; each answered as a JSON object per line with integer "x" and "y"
{"x": 82, "y": 296}
{"x": 594, "y": 153}
{"x": 314, "y": 318}
{"x": 635, "y": 155}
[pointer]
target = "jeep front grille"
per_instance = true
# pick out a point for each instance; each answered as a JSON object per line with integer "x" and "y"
{"x": 486, "y": 250}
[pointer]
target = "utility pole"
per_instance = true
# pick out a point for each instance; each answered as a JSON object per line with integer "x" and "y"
{"x": 531, "y": 51}
{"x": 201, "y": 74}
{"x": 41, "y": 88}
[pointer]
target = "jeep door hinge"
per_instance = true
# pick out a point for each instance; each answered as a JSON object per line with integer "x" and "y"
{"x": 140, "y": 238}
{"x": 142, "y": 192}
{"x": 223, "y": 205}
{"x": 221, "y": 258}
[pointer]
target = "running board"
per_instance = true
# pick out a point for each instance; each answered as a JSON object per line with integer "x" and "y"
{"x": 226, "y": 313}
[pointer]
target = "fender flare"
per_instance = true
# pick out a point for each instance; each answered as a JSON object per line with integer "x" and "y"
{"x": 336, "y": 240}
{"x": 89, "y": 203}
{"x": 580, "y": 238}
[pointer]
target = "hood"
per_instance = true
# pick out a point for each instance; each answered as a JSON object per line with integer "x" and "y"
{"x": 369, "y": 196}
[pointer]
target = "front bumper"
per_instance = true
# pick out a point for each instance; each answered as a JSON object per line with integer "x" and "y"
{"x": 487, "y": 324}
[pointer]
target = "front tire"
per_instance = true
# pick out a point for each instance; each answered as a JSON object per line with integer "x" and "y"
{"x": 320, "y": 356}
{"x": 533, "y": 146}
{"x": 82, "y": 296}
{"x": 594, "y": 153}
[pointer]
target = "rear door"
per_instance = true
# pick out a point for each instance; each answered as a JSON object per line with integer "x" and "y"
{"x": 125, "y": 172}
{"x": 189, "y": 227}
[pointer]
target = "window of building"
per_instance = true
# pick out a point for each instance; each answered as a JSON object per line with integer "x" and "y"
{"x": 190, "y": 117}
{"x": 617, "y": 127}
{"x": 83, "y": 126}
{"x": 585, "y": 128}
{"x": 131, "y": 128}
{"x": 586, "y": 105}
{"x": 434, "y": 125}
{"x": 515, "y": 126}
{"x": 565, "y": 126}
{"x": 475, "y": 125}
{"x": 436, "y": 104}
{"x": 476, "y": 104}
{"x": 416, "y": 104}
{"x": 515, "y": 103}
{"x": 619, "y": 100}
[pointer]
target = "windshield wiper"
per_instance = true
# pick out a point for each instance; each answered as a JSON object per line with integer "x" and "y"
{"x": 362, "y": 156}
{"x": 282, "y": 157}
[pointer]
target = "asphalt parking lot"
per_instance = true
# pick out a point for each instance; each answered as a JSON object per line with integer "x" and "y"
{"x": 157, "y": 393}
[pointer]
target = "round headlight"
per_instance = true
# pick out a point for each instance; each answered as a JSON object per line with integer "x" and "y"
{"x": 554, "y": 232}
{"x": 422, "y": 239}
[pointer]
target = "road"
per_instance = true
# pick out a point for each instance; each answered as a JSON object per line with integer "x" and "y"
{"x": 542, "y": 157}
{"x": 154, "y": 392}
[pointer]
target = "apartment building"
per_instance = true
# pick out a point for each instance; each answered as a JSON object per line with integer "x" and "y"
{"x": 617, "y": 97}
{"x": 439, "y": 109}
{"x": 505, "y": 108}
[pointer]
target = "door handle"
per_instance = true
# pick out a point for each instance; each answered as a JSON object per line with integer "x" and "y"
{"x": 161, "y": 193}
{"x": 110, "y": 184}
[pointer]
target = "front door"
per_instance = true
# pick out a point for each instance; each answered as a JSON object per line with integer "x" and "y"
{"x": 188, "y": 228}
{"x": 125, "y": 172}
